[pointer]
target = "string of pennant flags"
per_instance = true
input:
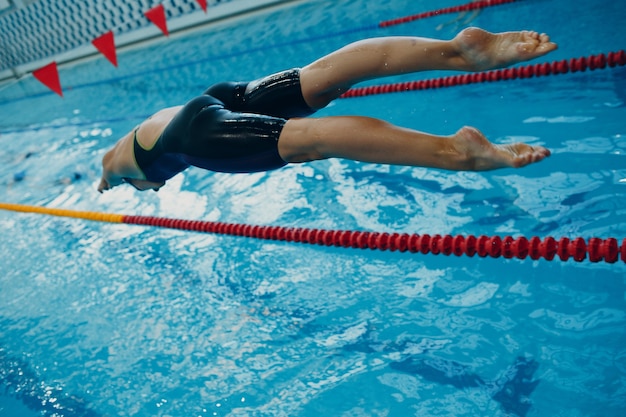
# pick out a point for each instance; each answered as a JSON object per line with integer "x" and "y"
{"x": 48, "y": 75}
{"x": 105, "y": 44}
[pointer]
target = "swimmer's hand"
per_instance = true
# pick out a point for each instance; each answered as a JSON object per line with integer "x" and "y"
{"x": 139, "y": 185}
{"x": 103, "y": 186}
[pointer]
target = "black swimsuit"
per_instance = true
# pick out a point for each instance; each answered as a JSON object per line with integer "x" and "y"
{"x": 228, "y": 129}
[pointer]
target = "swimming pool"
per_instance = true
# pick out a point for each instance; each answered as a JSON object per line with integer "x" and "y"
{"x": 110, "y": 319}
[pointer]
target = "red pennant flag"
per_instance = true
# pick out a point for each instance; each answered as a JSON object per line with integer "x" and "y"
{"x": 202, "y": 4}
{"x": 49, "y": 76}
{"x": 157, "y": 16}
{"x": 106, "y": 45}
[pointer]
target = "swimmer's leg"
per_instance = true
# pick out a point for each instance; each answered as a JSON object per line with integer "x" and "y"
{"x": 472, "y": 49}
{"x": 372, "y": 140}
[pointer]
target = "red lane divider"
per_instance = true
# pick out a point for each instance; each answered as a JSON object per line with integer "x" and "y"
{"x": 593, "y": 62}
{"x": 454, "y": 9}
{"x": 595, "y": 249}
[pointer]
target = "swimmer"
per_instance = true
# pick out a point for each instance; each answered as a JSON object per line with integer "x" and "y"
{"x": 76, "y": 176}
{"x": 22, "y": 157}
{"x": 16, "y": 178}
{"x": 263, "y": 125}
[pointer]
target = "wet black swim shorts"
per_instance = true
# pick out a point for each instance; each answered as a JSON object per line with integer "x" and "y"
{"x": 233, "y": 127}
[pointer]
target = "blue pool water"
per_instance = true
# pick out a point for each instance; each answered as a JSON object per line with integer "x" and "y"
{"x": 104, "y": 319}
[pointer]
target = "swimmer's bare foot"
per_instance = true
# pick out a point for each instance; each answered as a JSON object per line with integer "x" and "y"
{"x": 482, "y": 155}
{"x": 482, "y": 50}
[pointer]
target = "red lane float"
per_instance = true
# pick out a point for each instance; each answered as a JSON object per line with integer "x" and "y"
{"x": 454, "y": 9}
{"x": 595, "y": 249}
{"x": 594, "y": 62}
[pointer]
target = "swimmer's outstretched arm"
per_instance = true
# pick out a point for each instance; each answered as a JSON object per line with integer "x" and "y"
{"x": 473, "y": 49}
{"x": 372, "y": 140}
